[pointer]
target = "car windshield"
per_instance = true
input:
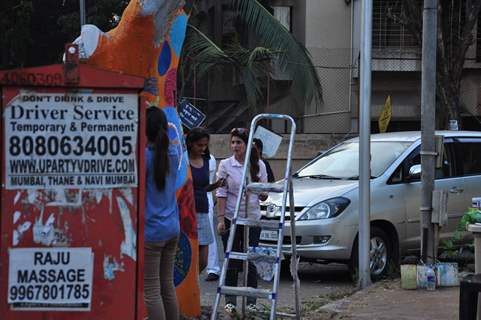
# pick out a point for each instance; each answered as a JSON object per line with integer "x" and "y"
{"x": 342, "y": 162}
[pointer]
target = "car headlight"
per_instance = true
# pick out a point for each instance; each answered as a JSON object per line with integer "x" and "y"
{"x": 326, "y": 209}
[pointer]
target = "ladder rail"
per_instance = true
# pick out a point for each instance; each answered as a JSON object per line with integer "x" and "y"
{"x": 233, "y": 227}
{"x": 287, "y": 188}
{"x": 293, "y": 266}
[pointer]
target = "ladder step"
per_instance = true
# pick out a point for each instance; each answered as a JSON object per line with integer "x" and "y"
{"x": 247, "y": 292}
{"x": 252, "y": 256}
{"x": 259, "y": 187}
{"x": 264, "y": 224}
{"x": 281, "y": 315}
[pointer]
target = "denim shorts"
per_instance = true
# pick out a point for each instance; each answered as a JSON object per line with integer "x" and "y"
{"x": 204, "y": 233}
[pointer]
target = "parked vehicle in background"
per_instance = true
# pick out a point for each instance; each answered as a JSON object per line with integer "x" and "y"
{"x": 326, "y": 197}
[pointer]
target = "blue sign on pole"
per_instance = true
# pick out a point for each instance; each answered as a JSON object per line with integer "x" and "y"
{"x": 190, "y": 116}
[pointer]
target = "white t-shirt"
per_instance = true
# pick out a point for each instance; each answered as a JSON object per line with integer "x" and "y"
{"x": 212, "y": 170}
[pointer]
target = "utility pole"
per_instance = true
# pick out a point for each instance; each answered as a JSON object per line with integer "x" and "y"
{"x": 428, "y": 102}
{"x": 82, "y": 13}
{"x": 365, "y": 147}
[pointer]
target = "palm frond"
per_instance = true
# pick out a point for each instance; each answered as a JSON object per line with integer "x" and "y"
{"x": 199, "y": 55}
{"x": 252, "y": 87}
{"x": 253, "y": 66}
{"x": 257, "y": 59}
{"x": 294, "y": 57}
{"x": 203, "y": 55}
{"x": 202, "y": 51}
{"x": 260, "y": 54}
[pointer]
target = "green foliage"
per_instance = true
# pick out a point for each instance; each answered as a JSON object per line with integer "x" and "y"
{"x": 273, "y": 48}
{"x": 294, "y": 58}
{"x": 101, "y": 13}
{"x": 34, "y": 32}
{"x": 473, "y": 215}
{"x": 15, "y": 37}
{"x": 203, "y": 54}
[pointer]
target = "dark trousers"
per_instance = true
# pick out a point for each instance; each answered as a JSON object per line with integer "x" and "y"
{"x": 236, "y": 265}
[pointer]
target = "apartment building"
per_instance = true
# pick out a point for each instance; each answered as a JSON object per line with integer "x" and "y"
{"x": 331, "y": 30}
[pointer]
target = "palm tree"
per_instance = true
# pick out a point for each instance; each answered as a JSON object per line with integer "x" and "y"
{"x": 276, "y": 51}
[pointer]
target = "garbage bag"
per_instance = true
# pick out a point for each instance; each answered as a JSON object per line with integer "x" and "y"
{"x": 264, "y": 259}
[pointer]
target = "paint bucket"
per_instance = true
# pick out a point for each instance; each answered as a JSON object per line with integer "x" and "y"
{"x": 408, "y": 276}
{"x": 422, "y": 271}
{"x": 447, "y": 274}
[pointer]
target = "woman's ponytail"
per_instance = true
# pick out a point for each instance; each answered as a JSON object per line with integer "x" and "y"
{"x": 254, "y": 165}
{"x": 158, "y": 138}
{"x": 161, "y": 159}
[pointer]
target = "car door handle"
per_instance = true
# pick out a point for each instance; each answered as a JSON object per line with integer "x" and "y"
{"x": 456, "y": 190}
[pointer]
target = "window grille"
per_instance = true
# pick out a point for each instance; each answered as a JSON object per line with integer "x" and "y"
{"x": 387, "y": 31}
{"x": 453, "y": 17}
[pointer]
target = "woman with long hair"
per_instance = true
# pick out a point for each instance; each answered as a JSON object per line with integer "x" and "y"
{"x": 162, "y": 228}
{"x": 231, "y": 169}
{"x": 198, "y": 147}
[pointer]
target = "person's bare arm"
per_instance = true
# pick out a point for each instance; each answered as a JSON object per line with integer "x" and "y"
{"x": 221, "y": 202}
{"x": 219, "y": 183}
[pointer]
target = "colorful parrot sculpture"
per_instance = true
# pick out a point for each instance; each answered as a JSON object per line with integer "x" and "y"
{"x": 147, "y": 42}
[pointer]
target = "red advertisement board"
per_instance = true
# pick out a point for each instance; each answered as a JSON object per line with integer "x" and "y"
{"x": 71, "y": 234}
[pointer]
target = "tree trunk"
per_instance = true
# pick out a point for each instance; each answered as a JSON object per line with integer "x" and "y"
{"x": 448, "y": 94}
{"x": 451, "y": 52}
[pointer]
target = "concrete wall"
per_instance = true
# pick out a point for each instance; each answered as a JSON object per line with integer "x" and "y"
{"x": 298, "y": 20}
{"x": 331, "y": 31}
{"x": 328, "y": 29}
{"x": 405, "y": 91}
{"x": 306, "y": 147}
{"x": 324, "y": 27}
{"x": 328, "y": 39}
{"x": 327, "y": 24}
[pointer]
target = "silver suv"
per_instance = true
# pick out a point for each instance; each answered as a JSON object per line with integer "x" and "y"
{"x": 326, "y": 197}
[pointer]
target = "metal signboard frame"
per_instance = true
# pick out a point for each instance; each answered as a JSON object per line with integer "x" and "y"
{"x": 68, "y": 232}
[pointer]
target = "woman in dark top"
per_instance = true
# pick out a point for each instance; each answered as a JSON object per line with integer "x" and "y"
{"x": 260, "y": 146}
{"x": 197, "y": 146}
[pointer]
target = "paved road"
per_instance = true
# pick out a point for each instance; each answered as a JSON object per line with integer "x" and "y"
{"x": 319, "y": 285}
{"x": 385, "y": 300}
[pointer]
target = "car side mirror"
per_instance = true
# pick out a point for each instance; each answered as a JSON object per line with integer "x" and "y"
{"x": 414, "y": 172}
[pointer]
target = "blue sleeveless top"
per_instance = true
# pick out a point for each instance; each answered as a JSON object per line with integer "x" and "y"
{"x": 200, "y": 177}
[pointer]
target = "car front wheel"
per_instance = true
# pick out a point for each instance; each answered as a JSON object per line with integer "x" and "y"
{"x": 380, "y": 254}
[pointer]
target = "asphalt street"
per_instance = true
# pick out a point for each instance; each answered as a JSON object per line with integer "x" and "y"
{"x": 319, "y": 284}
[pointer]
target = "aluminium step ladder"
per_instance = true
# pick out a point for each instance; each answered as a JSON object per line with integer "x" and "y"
{"x": 284, "y": 187}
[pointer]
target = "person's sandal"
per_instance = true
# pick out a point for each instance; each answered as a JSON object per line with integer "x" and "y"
{"x": 212, "y": 277}
{"x": 252, "y": 308}
{"x": 230, "y": 309}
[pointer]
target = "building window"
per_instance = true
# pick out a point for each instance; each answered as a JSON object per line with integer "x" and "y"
{"x": 386, "y": 31}
{"x": 389, "y": 32}
{"x": 283, "y": 15}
